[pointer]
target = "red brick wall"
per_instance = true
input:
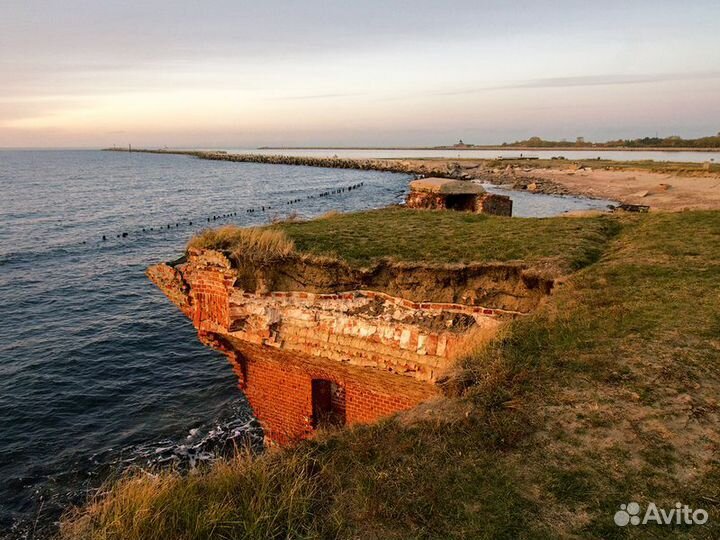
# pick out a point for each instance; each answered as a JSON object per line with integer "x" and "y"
{"x": 209, "y": 296}
{"x": 278, "y": 386}
{"x": 210, "y": 279}
{"x": 363, "y": 405}
{"x": 280, "y": 398}
{"x": 278, "y": 382}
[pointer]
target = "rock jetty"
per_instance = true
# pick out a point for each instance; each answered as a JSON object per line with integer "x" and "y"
{"x": 512, "y": 176}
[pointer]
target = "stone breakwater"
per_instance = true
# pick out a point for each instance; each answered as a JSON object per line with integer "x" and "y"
{"x": 385, "y": 165}
{"x": 513, "y": 176}
{"x": 625, "y": 182}
{"x": 304, "y": 357}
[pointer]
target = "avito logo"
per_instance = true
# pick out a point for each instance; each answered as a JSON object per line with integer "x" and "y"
{"x": 681, "y": 514}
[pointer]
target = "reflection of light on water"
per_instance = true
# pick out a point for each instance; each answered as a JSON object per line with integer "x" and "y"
{"x": 526, "y": 204}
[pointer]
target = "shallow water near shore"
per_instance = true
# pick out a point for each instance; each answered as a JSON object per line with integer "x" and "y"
{"x": 539, "y": 205}
{"x": 98, "y": 370}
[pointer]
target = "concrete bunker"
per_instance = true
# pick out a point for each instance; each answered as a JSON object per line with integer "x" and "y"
{"x": 462, "y": 196}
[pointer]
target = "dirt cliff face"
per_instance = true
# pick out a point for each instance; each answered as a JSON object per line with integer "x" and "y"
{"x": 317, "y": 341}
{"x": 507, "y": 287}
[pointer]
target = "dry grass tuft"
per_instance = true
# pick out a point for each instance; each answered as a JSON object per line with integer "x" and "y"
{"x": 253, "y": 246}
{"x": 477, "y": 339}
{"x": 244, "y": 497}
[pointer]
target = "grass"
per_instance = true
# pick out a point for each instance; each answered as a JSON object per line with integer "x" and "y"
{"x": 635, "y": 341}
{"x": 243, "y": 497}
{"x": 452, "y": 237}
{"x": 606, "y": 395}
{"x": 254, "y": 245}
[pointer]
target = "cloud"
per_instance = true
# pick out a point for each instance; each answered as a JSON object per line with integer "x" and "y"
{"x": 318, "y": 96}
{"x": 588, "y": 80}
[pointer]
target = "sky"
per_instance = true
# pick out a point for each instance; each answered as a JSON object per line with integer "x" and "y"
{"x": 234, "y": 73}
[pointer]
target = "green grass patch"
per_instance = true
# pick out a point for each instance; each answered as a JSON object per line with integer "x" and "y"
{"x": 442, "y": 237}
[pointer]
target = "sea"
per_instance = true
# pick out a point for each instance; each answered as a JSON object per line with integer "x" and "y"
{"x": 99, "y": 372}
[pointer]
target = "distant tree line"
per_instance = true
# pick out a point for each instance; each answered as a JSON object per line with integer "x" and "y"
{"x": 645, "y": 142}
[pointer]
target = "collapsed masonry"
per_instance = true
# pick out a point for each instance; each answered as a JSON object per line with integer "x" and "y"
{"x": 315, "y": 354}
{"x": 446, "y": 194}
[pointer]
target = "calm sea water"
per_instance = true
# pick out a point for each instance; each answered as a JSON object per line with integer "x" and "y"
{"x": 97, "y": 369}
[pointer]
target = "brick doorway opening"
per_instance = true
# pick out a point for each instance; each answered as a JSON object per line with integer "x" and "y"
{"x": 328, "y": 403}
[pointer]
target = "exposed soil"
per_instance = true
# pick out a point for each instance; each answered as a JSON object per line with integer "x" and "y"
{"x": 512, "y": 286}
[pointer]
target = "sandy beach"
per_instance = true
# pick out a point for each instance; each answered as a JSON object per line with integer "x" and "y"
{"x": 662, "y": 188}
{"x": 668, "y": 192}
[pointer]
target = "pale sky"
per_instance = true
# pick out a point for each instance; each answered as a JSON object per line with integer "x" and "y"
{"x": 232, "y": 73}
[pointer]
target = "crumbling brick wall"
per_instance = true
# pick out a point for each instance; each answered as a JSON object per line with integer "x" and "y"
{"x": 396, "y": 338}
{"x": 362, "y": 342}
{"x": 206, "y": 280}
{"x": 278, "y": 386}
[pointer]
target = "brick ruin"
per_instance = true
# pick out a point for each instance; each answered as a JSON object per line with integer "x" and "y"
{"x": 464, "y": 196}
{"x": 306, "y": 359}
{"x": 292, "y": 394}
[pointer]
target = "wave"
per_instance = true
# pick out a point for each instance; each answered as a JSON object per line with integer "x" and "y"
{"x": 235, "y": 431}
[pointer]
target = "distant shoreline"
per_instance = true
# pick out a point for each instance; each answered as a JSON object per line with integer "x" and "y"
{"x": 499, "y": 147}
{"x": 630, "y": 182}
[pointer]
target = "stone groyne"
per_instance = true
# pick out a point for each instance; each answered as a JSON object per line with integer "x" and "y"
{"x": 444, "y": 169}
{"x": 485, "y": 170}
